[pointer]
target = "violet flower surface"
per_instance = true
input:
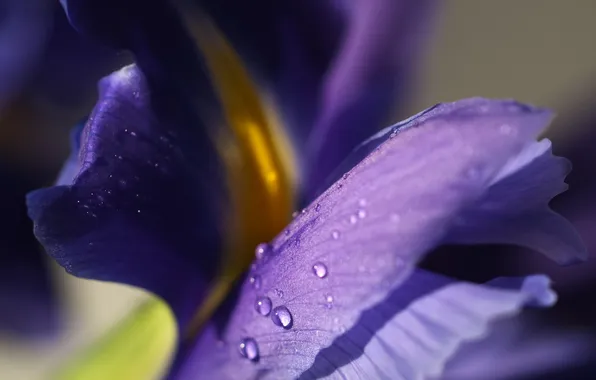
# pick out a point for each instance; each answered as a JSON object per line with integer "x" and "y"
{"x": 337, "y": 293}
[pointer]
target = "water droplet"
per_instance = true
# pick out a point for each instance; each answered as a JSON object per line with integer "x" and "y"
{"x": 249, "y": 349}
{"x": 361, "y": 214}
{"x": 132, "y": 133}
{"x": 282, "y": 317}
{"x": 263, "y": 305}
{"x": 506, "y": 129}
{"x": 320, "y": 270}
{"x": 303, "y": 211}
{"x": 362, "y": 202}
{"x": 339, "y": 185}
{"x": 345, "y": 176}
{"x": 353, "y": 219}
{"x": 393, "y": 133}
{"x": 329, "y": 299}
{"x": 318, "y": 207}
{"x": 255, "y": 281}
{"x": 262, "y": 250}
{"x": 335, "y": 234}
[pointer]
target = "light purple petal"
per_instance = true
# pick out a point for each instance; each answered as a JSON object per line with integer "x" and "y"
{"x": 516, "y": 349}
{"x": 503, "y": 217}
{"x": 410, "y": 335}
{"x": 358, "y": 242}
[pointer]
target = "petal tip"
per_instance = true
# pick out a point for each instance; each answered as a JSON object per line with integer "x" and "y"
{"x": 538, "y": 287}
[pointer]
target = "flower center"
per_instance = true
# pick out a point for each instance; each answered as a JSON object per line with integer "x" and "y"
{"x": 258, "y": 161}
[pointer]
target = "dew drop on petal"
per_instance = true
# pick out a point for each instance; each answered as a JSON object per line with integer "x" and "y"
{"x": 249, "y": 349}
{"x": 320, "y": 270}
{"x": 362, "y": 202}
{"x": 335, "y": 234}
{"x": 505, "y": 129}
{"x": 329, "y": 300}
{"x": 263, "y": 305}
{"x": 318, "y": 207}
{"x": 255, "y": 281}
{"x": 361, "y": 214}
{"x": 282, "y": 317}
{"x": 261, "y": 250}
{"x": 353, "y": 219}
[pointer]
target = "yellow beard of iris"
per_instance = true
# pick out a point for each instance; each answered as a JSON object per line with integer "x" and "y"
{"x": 258, "y": 161}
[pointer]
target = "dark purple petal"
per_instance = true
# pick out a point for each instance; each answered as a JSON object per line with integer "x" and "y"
{"x": 153, "y": 32}
{"x": 71, "y": 166}
{"x": 28, "y": 303}
{"x": 358, "y": 242}
{"x": 71, "y": 66}
{"x": 144, "y": 207}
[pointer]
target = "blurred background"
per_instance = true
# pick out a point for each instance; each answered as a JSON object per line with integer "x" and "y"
{"x": 537, "y": 51}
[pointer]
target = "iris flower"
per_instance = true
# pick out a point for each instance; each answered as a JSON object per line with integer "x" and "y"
{"x": 182, "y": 183}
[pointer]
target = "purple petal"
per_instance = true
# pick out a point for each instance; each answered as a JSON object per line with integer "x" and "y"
{"x": 71, "y": 166}
{"x": 516, "y": 349}
{"x": 143, "y": 208}
{"x": 525, "y": 221}
{"x": 72, "y": 65}
{"x": 358, "y": 242}
{"x": 153, "y": 32}
{"x": 405, "y": 336}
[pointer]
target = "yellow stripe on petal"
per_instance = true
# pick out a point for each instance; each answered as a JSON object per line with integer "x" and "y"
{"x": 140, "y": 347}
{"x": 258, "y": 161}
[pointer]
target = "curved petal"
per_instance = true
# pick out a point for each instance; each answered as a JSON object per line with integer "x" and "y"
{"x": 521, "y": 348}
{"x": 28, "y": 304}
{"x": 360, "y": 240}
{"x": 144, "y": 207}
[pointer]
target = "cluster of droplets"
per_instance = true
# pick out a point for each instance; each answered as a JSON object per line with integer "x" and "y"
{"x": 280, "y": 315}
